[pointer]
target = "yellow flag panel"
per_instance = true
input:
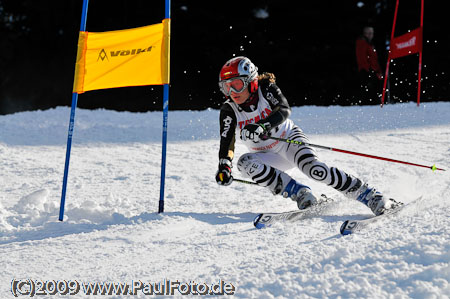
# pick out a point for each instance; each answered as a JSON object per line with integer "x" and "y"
{"x": 131, "y": 57}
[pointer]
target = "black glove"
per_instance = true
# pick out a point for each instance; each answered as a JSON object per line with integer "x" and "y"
{"x": 223, "y": 175}
{"x": 255, "y": 132}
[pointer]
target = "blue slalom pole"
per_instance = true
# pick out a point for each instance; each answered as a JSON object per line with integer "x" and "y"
{"x": 164, "y": 146}
{"x": 71, "y": 124}
{"x": 164, "y": 129}
{"x": 167, "y": 10}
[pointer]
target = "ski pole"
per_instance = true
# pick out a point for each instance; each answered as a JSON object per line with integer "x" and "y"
{"x": 433, "y": 168}
{"x": 244, "y": 182}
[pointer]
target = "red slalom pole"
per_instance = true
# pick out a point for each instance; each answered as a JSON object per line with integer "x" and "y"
{"x": 433, "y": 167}
{"x": 386, "y": 74}
{"x": 419, "y": 75}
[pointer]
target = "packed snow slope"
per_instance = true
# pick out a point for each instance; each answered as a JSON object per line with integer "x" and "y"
{"x": 113, "y": 233}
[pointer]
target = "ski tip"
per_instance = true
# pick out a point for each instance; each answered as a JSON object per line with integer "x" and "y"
{"x": 344, "y": 230}
{"x": 256, "y": 222}
{"x": 260, "y": 225}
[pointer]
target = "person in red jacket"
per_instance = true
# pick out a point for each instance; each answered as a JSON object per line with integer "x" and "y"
{"x": 369, "y": 70}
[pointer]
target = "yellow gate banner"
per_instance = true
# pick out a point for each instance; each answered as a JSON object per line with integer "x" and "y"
{"x": 130, "y": 57}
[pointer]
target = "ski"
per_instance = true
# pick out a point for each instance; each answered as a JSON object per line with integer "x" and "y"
{"x": 352, "y": 226}
{"x": 267, "y": 219}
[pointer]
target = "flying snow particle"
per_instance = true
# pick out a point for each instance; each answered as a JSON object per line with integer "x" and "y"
{"x": 261, "y": 13}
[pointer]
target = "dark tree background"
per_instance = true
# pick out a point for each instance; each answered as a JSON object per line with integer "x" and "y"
{"x": 310, "y": 48}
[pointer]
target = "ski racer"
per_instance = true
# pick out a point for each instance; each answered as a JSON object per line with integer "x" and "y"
{"x": 256, "y": 108}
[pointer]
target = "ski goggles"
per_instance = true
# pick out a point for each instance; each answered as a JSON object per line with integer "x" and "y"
{"x": 236, "y": 84}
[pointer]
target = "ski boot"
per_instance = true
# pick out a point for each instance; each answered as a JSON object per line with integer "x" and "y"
{"x": 378, "y": 203}
{"x": 300, "y": 193}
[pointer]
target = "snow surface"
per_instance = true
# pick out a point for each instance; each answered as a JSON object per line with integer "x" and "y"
{"x": 112, "y": 232}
